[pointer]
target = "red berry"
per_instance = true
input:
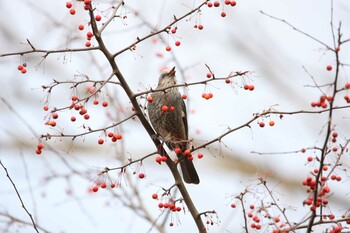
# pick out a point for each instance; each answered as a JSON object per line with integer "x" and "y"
{"x": 329, "y": 67}
{"x": 87, "y": 43}
{"x": 160, "y": 205}
{"x": 210, "y": 4}
{"x": 271, "y": 123}
{"x": 69, "y": 5}
{"x": 150, "y": 99}
{"x": 309, "y": 158}
{"x": 177, "y": 43}
{"x": 73, "y": 118}
{"x": 209, "y": 75}
{"x": 52, "y": 123}
{"x": 112, "y": 186}
{"x": 110, "y": 134}
{"x": 168, "y": 48}
{"x": 118, "y": 136}
{"x": 227, "y": 2}
{"x": 83, "y": 111}
{"x": 261, "y": 124}
{"x": 172, "y": 108}
{"x": 46, "y": 108}
{"x": 173, "y": 30}
{"x": 233, "y": 3}
{"x": 55, "y": 115}
{"x": 223, "y": 14}
{"x": 335, "y": 134}
{"x": 100, "y": 141}
{"x": 86, "y": 116}
{"x": 81, "y": 27}
{"x": 165, "y": 108}
{"x": 177, "y": 150}
{"x": 95, "y": 189}
{"x": 72, "y": 11}
{"x": 246, "y": 87}
{"x": 40, "y": 146}
{"x": 347, "y": 85}
{"x": 104, "y": 103}
{"x": 98, "y": 17}
{"x": 95, "y": 102}
{"x": 158, "y": 159}
{"x": 251, "y": 87}
{"x": 200, "y": 27}
{"x": 216, "y": 3}
{"x": 163, "y": 158}
{"x": 38, "y": 151}
{"x": 20, "y": 67}
{"x": 187, "y": 152}
{"x": 24, "y": 70}
{"x": 154, "y": 196}
{"x": 227, "y": 81}
{"x": 103, "y": 185}
{"x": 200, "y": 155}
{"x": 141, "y": 175}
{"x": 89, "y": 34}
{"x": 233, "y": 205}
{"x": 87, "y": 2}
{"x": 184, "y": 96}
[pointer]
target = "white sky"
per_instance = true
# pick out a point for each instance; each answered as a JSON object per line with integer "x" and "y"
{"x": 244, "y": 40}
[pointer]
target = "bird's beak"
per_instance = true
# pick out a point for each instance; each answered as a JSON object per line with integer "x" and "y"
{"x": 172, "y": 72}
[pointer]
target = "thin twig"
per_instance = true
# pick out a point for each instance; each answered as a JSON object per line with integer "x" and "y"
{"x": 19, "y": 197}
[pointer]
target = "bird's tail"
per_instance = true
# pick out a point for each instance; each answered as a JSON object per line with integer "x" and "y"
{"x": 189, "y": 172}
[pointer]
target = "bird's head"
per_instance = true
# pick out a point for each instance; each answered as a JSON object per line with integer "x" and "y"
{"x": 167, "y": 78}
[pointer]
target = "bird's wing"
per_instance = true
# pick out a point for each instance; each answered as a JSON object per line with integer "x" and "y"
{"x": 184, "y": 116}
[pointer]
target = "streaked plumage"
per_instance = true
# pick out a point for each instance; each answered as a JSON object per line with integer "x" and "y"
{"x": 172, "y": 125}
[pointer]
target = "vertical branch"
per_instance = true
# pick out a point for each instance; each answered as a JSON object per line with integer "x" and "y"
{"x": 133, "y": 98}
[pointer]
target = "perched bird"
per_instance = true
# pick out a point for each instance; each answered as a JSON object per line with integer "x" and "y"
{"x": 167, "y": 113}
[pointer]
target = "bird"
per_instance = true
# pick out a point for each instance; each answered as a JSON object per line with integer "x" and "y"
{"x": 168, "y": 116}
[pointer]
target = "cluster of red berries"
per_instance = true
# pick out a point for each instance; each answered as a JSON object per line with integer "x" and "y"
{"x": 89, "y": 36}
{"x": 114, "y": 137}
{"x": 102, "y": 185}
{"x": 171, "y": 206}
{"x": 207, "y": 95}
{"x": 199, "y": 26}
{"x": 256, "y": 220}
{"x": 72, "y": 11}
{"x": 217, "y": 4}
{"x": 177, "y": 42}
{"x": 54, "y": 115}
{"x": 322, "y": 101}
{"x": 160, "y": 159}
{"x": 346, "y": 97}
{"x": 249, "y": 87}
{"x": 81, "y": 27}
{"x": 166, "y": 108}
{"x": 39, "y": 148}
{"x": 22, "y": 68}
{"x": 262, "y": 124}
{"x": 186, "y": 153}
